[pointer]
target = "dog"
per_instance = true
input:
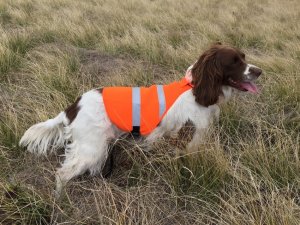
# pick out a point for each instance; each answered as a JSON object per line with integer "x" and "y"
{"x": 85, "y": 128}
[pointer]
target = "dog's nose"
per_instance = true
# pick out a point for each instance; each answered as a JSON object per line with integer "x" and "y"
{"x": 255, "y": 71}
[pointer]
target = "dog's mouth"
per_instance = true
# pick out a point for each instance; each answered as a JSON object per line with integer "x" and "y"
{"x": 243, "y": 85}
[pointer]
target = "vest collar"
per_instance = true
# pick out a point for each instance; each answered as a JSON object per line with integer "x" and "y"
{"x": 185, "y": 82}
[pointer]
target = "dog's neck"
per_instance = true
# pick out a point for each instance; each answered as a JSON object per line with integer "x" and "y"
{"x": 226, "y": 94}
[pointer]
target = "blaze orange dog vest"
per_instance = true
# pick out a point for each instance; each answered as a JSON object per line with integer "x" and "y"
{"x": 140, "y": 109}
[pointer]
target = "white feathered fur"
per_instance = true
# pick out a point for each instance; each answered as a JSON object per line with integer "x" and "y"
{"x": 45, "y": 136}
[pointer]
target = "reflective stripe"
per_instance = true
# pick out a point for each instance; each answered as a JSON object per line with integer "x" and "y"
{"x": 161, "y": 99}
{"x": 136, "y": 106}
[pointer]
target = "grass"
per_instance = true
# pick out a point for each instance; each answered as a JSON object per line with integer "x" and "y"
{"x": 23, "y": 206}
{"x": 247, "y": 171}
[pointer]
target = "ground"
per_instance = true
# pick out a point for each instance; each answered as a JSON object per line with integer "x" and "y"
{"x": 246, "y": 172}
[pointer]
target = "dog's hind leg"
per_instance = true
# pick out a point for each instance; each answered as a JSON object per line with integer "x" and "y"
{"x": 89, "y": 154}
{"x": 89, "y": 133}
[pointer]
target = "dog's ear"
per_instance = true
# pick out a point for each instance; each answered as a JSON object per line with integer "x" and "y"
{"x": 207, "y": 78}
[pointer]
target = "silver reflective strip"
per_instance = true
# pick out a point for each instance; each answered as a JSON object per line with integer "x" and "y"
{"x": 161, "y": 99}
{"x": 136, "y": 106}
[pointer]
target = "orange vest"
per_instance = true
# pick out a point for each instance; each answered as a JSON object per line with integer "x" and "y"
{"x": 141, "y": 108}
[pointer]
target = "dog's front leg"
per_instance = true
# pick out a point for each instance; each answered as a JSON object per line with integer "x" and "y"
{"x": 166, "y": 128}
{"x": 201, "y": 131}
{"x": 197, "y": 139}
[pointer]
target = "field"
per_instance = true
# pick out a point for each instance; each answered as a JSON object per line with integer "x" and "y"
{"x": 248, "y": 170}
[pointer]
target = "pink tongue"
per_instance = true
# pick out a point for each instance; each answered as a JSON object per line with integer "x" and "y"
{"x": 249, "y": 86}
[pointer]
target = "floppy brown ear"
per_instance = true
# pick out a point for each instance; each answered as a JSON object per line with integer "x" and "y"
{"x": 207, "y": 78}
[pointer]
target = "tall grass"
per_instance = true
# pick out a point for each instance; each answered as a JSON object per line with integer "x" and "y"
{"x": 247, "y": 171}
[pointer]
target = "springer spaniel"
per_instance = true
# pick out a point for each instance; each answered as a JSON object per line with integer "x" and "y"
{"x": 86, "y": 130}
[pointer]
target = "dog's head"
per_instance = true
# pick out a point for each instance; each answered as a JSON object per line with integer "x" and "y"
{"x": 222, "y": 66}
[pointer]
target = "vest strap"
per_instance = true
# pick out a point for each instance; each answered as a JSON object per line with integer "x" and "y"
{"x": 136, "y": 111}
{"x": 136, "y": 107}
{"x": 161, "y": 99}
{"x": 136, "y": 131}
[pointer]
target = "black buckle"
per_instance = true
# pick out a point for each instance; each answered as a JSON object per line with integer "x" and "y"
{"x": 136, "y": 131}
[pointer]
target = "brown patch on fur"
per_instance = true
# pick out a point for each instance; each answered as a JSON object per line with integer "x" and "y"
{"x": 72, "y": 110}
{"x": 184, "y": 135}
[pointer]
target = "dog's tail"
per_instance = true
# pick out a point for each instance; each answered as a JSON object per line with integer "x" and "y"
{"x": 48, "y": 135}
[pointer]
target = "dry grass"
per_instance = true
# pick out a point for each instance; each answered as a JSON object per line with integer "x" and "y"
{"x": 248, "y": 172}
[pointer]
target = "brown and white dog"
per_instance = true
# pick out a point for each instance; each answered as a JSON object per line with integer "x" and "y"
{"x": 86, "y": 130}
